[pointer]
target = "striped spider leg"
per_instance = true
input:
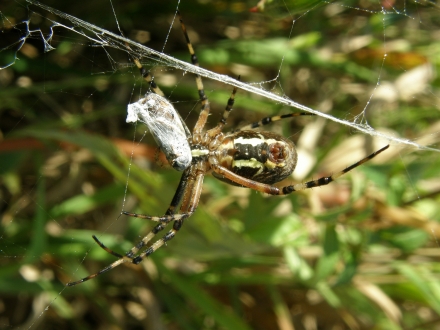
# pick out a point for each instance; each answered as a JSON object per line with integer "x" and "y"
{"x": 189, "y": 188}
{"x": 246, "y": 158}
{"x": 163, "y": 121}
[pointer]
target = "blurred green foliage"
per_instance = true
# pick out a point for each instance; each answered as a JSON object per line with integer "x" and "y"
{"x": 361, "y": 253}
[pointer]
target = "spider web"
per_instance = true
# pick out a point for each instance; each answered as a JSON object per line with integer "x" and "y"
{"x": 100, "y": 37}
{"x": 50, "y": 27}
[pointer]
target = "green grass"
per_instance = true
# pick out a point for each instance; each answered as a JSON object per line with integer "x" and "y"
{"x": 361, "y": 253}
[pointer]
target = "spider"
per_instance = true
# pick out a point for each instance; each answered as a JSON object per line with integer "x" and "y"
{"x": 244, "y": 157}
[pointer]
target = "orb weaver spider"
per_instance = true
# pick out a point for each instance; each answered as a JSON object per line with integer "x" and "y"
{"x": 245, "y": 158}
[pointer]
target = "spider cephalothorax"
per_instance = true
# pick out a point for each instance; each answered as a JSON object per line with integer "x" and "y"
{"x": 246, "y": 158}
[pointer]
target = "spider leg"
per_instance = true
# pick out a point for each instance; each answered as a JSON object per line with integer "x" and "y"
{"x": 162, "y": 219}
{"x": 144, "y": 72}
{"x": 188, "y": 207}
{"x": 117, "y": 255}
{"x": 180, "y": 192}
{"x": 217, "y": 130}
{"x": 130, "y": 255}
{"x": 104, "y": 270}
{"x": 272, "y": 190}
{"x": 149, "y": 79}
{"x": 194, "y": 182}
{"x": 204, "y": 113}
{"x": 268, "y": 120}
{"x": 178, "y": 196}
{"x": 327, "y": 179}
{"x": 122, "y": 259}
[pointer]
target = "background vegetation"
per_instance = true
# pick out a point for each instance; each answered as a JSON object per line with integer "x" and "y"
{"x": 361, "y": 253}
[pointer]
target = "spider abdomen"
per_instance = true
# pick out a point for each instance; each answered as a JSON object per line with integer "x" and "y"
{"x": 264, "y": 157}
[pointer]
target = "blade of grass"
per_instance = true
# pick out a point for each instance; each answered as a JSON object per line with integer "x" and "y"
{"x": 203, "y": 301}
